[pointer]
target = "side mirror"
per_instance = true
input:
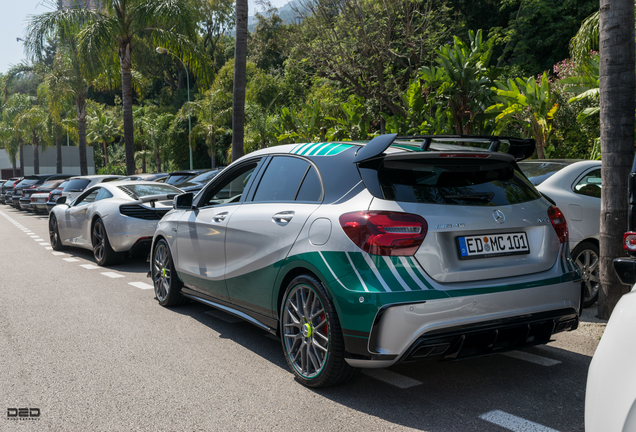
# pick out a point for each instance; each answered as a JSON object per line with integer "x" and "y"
{"x": 60, "y": 200}
{"x": 183, "y": 201}
{"x": 625, "y": 269}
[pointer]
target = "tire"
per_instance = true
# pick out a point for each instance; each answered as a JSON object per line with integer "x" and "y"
{"x": 54, "y": 234}
{"x": 102, "y": 251}
{"x": 586, "y": 257}
{"x": 164, "y": 277}
{"x": 312, "y": 339}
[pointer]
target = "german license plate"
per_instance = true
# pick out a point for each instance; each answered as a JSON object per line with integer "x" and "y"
{"x": 486, "y": 246}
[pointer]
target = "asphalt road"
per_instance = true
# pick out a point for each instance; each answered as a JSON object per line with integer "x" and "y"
{"x": 91, "y": 352}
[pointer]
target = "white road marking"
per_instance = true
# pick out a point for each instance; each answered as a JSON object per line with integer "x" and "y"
{"x": 58, "y": 253}
{"x": 34, "y": 236}
{"x": 90, "y": 266}
{"x": 392, "y": 378}
{"x": 113, "y": 275}
{"x": 514, "y": 423}
{"x": 532, "y": 358}
{"x": 39, "y": 239}
{"x": 141, "y": 285}
{"x": 70, "y": 259}
{"x": 48, "y": 248}
{"x": 228, "y": 318}
{"x": 44, "y": 243}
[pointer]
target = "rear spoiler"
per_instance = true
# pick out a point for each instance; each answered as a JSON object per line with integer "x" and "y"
{"x": 154, "y": 198}
{"x": 518, "y": 148}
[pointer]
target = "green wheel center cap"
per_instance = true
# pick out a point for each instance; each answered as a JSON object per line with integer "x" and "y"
{"x": 307, "y": 330}
{"x": 163, "y": 272}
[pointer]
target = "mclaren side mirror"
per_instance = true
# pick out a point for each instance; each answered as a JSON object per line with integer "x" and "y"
{"x": 60, "y": 200}
{"x": 183, "y": 201}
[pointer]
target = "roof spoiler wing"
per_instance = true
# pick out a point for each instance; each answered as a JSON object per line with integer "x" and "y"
{"x": 518, "y": 148}
{"x": 154, "y": 198}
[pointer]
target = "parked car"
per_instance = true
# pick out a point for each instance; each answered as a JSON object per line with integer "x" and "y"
{"x": 28, "y": 182}
{"x": 50, "y": 184}
{"x": 177, "y": 177}
{"x": 79, "y": 184}
{"x": 7, "y": 190}
{"x": 112, "y": 219}
{"x": 51, "y": 198}
{"x": 575, "y": 187}
{"x": 196, "y": 183}
{"x": 145, "y": 177}
{"x": 365, "y": 256}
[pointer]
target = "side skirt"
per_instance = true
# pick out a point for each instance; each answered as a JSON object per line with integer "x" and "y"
{"x": 268, "y": 324}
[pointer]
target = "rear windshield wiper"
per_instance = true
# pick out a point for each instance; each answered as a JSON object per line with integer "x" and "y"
{"x": 482, "y": 196}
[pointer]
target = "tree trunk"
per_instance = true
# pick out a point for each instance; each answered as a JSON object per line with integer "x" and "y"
{"x": 617, "y": 94}
{"x": 80, "y": 105}
{"x": 58, "y": 152}
{"x": 21, "y": 158}
{"x": 36, "y": 155}
{"x": 143, "y": 157}
{"x": 105, "y": 147}
{"x": 238, "y": 100}
{"x": 127, "y": 102}
{"x": 158, "y": 159}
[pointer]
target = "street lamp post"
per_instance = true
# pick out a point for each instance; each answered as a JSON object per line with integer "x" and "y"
{"x": 164, "y": 51}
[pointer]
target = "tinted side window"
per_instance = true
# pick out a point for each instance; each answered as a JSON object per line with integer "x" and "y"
{"x": 282, "y": 179}
{"x": 590, "y": 184}
{"x": 103, "y": 194}
{"x": 229, "y": 189}
{"x": 87, "y": 199}
{"x": 311, "y": 189}
{"x": 76, "y": 185}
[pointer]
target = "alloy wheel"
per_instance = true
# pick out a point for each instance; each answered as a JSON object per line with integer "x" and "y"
{"x": 306, "y": 331}
{"x": 53, "y": 232}
{"x": 588, "y": 262}
{"x": 161, "y": 271}
{"x": 98, "y": 241}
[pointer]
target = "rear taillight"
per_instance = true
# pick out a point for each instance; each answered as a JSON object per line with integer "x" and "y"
{"x": 49, "y": 198}
{"x": 629, "y": 241}
{"x": 385, "y": 233}
{"x": 559, "y": 224}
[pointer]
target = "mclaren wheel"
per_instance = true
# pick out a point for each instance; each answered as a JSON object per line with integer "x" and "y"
{"x": 311, "y": 335}
{"x": 102, "y": 251}
{"x": 586, "y": 257}
{"x": 164, "y": 278}
{"x": 54, "y": 234}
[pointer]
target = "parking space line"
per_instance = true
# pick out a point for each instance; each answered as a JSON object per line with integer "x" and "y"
{"x": 532, "y": 358}
{"x": 34, "y": 236}
{"x": 44, "y": 243}
{"x": 90, "y": 266}
{"x": 39, "y": 239}
{"x": 392, "y": 378}
{"x": 514, "y": 423}
{"x": 58, "y": 253}
{"x": 70, "y": 259}
{"x": 113, "y": 275}
{"x": 48, "y": 248}
{"x": 141, "y": 285}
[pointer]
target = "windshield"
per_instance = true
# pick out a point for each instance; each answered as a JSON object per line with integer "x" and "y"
{"x": 178, "y": 178}
{"x": 141, "y": 190}
{"x": 537, "y": 173}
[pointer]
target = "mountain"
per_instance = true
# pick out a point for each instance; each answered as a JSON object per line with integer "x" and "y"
{"x": 285, "y": 12}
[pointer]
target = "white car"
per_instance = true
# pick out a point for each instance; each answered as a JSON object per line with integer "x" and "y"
{"x": 610, "y": 397}
{"x": 575, "y": 187}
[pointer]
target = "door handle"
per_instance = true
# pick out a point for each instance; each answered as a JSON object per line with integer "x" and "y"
{"x": 220, "y": 217}
{"x": 283, "y": 217}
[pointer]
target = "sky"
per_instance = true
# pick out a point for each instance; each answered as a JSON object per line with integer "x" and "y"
{"x": 13, "y": 21}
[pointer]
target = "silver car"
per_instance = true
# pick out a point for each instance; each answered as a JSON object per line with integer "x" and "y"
{"x": 365, "y": 256}
{"x": 575, "y": 187}
{"x": 111, "y": 219}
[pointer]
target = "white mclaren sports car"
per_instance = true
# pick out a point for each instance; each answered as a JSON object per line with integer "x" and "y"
{"x": 112, "y": 219}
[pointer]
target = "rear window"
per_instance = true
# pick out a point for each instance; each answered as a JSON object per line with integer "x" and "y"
{"x": 179, "y": 178}
{"x": 28, "y": 182}
{"x": 141, "y": 190}
{"x": 454, "y": 181}
{"x": 538, "y": 172}
{"x": 76, "y": 185}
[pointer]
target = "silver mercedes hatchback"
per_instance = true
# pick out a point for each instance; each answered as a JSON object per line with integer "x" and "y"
{"x": 365, "y": 255}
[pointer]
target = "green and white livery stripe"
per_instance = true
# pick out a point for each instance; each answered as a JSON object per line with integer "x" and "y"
{"x": 320, "y": 149}
{"x": 356, "y": 272}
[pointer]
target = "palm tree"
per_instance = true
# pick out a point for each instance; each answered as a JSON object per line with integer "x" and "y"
{"x": 33, "y": 122}
{"x": 617, "y": 95}
{"x": 113, "y": 28}
{"x": 240, "y": 79}
{"x": 15, "y": 105}
{"x": 212, "y": 115}
{"x": 102, "y": 129}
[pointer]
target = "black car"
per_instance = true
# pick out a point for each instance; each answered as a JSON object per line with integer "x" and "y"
{"x": 31, "y": 182}
{"x": 46, "y": 187}
{"x": 176, "y": 177}
{"x": 54, "y": 195}
{"x": 7, "y": 187}
{"x": 195, "y": 184}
